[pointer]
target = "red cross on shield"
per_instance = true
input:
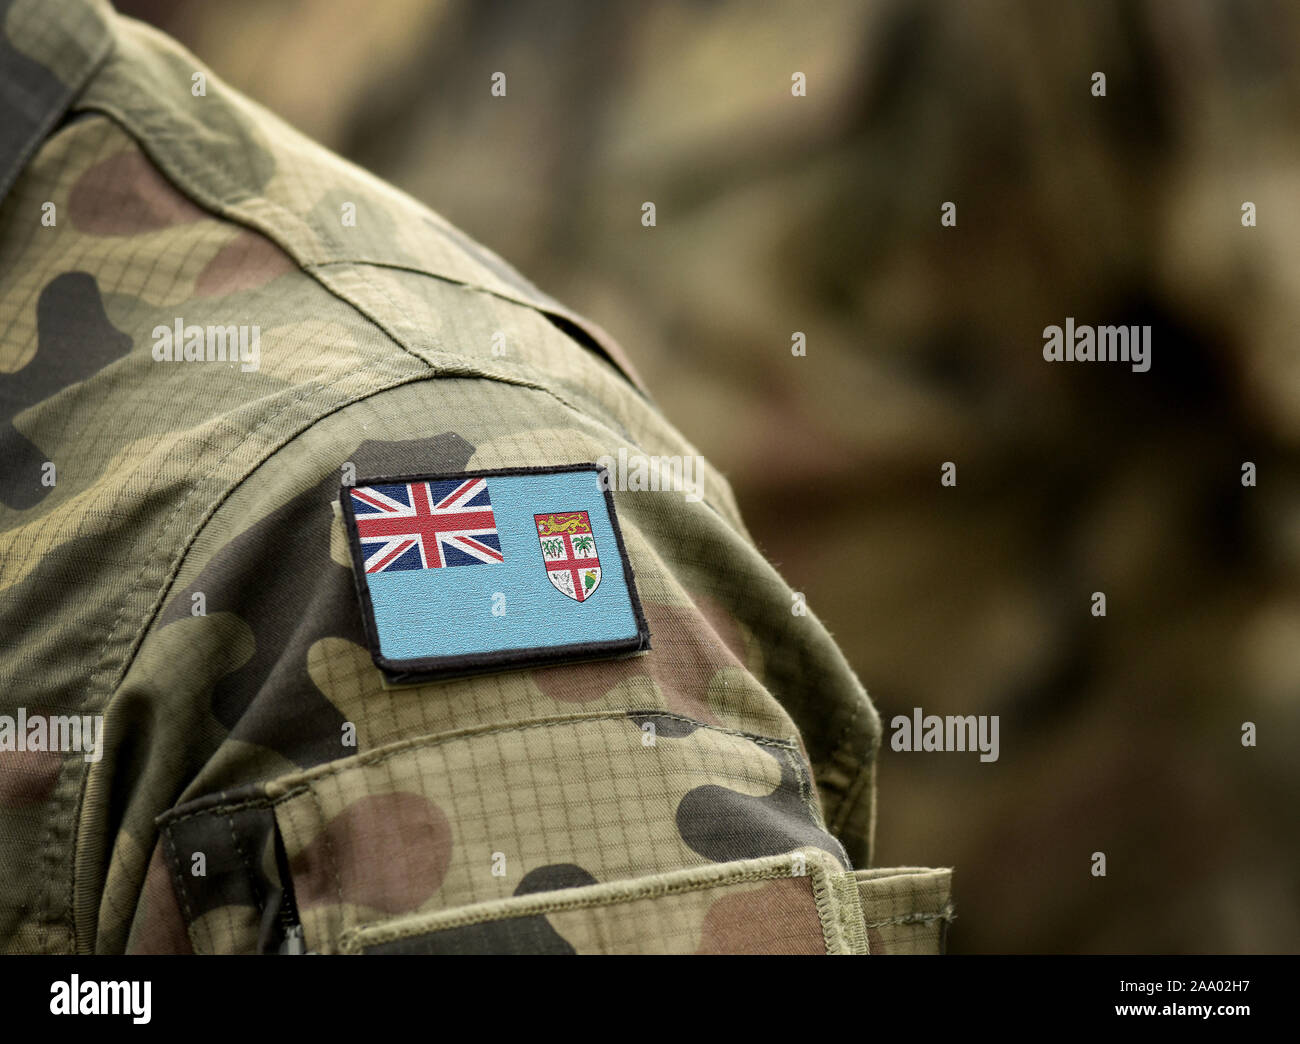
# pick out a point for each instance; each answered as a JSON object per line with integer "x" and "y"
{"x": 569, "y": 553}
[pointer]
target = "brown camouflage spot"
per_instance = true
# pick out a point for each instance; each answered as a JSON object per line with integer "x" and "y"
{"x": 125, "y": 195}
{"x": 389, "y": 852}
{"x": 723, "y": 625}
{"x": 778, "y": 918}
{"x": 27, "y": 776}
{"x": 689, "y": 645}
{"x": 583, "y": 682}
{"x": 248, "y": 261}
{"x": 159, "y": 926}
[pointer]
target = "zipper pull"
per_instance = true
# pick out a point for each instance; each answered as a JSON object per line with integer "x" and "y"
{"x": 293, "y": 940}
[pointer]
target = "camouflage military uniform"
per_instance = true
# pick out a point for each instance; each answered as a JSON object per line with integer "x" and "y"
{"x": 171, "y": 560}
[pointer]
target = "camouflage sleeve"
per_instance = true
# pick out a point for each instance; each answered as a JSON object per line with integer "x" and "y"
{"x": 661, "y": 802}
{"x": 172, "y": 567}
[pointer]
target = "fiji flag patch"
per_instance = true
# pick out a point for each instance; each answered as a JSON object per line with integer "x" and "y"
{"x": 491, "y": 570}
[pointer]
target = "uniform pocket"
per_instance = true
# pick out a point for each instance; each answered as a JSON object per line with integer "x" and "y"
{"x": 654, "y": 833}
{"x": 798, "y": 903}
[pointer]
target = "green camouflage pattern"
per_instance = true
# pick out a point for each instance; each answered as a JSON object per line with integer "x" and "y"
{"x": 185, "y": 575}
{"x": 799, "y": 903}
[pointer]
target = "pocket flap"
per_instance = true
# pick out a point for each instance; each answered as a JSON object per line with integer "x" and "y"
{"x": 798, "y": 903}
{"x": 907, "y": 909}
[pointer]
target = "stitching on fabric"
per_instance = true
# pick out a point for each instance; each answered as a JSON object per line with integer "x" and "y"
{"x": 258, "y": 802}
{"x": 808, "y": 795}
{"x": 329, "y": 855}
{"x": 354, "y": 263}
{"x": 178, "y": 882}
{"x": 332, "y": 769}
{"x": 429, "y": 668}
{"x": 804, "y": 794}
{"x": 853, "y": 792}
{"x": 248, "y": 866}
{"x": 224, "y": 204}
{"x": 824, "y": 902}
{"x": 170, "y": 575}
{"x": 297, "y": 234}
{"x": 943, "y": 914}
{"x": 524, "y": 379}
{"x": 470, "y": 917}
{"x": 376, "y": 758}
{"x": 849, "y": 917}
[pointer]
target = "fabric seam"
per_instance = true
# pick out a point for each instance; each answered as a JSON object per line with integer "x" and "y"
{"x": 631, "y": 890}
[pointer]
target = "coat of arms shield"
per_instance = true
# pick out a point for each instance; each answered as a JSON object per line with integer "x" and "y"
{"x": 569, "y": 553}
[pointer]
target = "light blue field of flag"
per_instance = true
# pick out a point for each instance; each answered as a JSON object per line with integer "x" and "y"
{"x": 459, "y": 579}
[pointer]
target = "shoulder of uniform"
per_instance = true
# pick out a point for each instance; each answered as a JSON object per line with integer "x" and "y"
{"x": 331, "y": 217}
{"x": 235, "y": 157}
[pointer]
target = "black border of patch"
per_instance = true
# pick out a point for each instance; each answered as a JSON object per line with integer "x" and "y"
{"x": 432, "y": 668}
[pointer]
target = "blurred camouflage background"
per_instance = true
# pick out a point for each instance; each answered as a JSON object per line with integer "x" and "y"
{"x": 821, "y": 214}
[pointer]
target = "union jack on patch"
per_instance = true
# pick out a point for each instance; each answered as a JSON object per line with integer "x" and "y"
{"x": 426, "y": 525}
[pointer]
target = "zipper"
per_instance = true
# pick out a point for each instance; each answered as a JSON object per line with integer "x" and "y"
{"x": 292, "y": 940}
